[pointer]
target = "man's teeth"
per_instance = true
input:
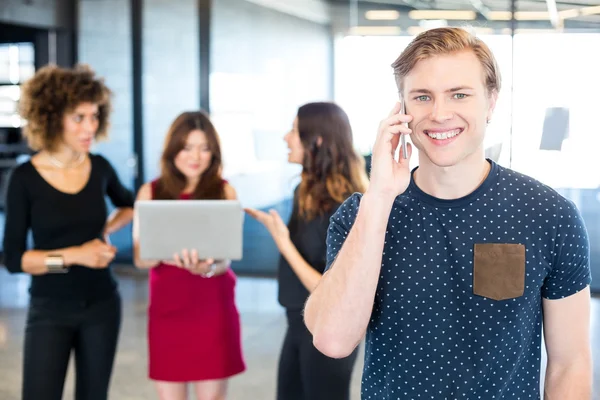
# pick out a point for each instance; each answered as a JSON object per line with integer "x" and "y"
{"x": 443, "y": 135}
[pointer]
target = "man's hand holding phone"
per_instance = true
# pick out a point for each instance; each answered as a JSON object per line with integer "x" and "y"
{"x": 390, "y": 177}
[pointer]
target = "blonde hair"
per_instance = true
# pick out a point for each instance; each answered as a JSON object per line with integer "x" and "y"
{"x": 447, "y": 40}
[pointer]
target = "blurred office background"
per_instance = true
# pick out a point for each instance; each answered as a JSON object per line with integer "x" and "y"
{"x": 251, "y": 63}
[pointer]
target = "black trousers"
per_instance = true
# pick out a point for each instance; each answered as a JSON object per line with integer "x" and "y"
{"x": 54, "y": 329}
{"x": 307, "y": 374}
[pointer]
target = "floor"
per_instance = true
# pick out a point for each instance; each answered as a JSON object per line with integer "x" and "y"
{"x": 263, "y": 328}
{"x": 263, "y": 325}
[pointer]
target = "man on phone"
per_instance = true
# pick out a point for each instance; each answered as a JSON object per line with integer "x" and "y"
{"x": 450, "y": 269}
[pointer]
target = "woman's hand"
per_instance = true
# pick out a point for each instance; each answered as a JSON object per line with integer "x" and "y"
{"x": 94, "y": 254}
{"x": 191, "y": 261}
{"x": 274, "y": 224}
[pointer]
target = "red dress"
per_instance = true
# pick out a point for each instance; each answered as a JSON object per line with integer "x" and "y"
{"x": 193, "y": 326}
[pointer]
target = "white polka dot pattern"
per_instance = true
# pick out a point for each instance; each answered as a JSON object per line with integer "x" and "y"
{"x": 429, "y": 336}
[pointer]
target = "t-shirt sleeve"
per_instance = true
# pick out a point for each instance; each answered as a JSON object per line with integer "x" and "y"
{"x": 570, "y": 271}
{"x": 17, "y": 220}
{"x": 340, "y": 224}
{"x": 118, "y": 194}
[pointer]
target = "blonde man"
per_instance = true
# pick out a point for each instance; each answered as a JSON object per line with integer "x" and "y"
{"x": 450, "y": 269}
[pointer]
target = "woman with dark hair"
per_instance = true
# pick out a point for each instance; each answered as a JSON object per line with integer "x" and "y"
{"x": 59, "y": 195}
{"x": 193, "y": 323}
{"x": 320, "y": 141}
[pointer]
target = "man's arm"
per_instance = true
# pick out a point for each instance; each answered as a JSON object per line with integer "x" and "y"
{"x": 567, "y": 337}
{"x": 338, "y": 311}
{"x": 566, "y": 307}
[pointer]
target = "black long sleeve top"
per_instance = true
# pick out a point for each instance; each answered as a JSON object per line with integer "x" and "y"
{"x": 309, "y": 237}
{"x": 58, "y": 220}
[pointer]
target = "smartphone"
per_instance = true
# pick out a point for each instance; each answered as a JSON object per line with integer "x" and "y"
{"x": 402, "y": 135}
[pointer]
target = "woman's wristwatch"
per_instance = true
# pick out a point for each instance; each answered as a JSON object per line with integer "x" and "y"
{"x": 55, "y": 264}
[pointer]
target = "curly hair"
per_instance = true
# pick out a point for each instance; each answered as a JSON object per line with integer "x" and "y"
{"x": 54, "y": 91}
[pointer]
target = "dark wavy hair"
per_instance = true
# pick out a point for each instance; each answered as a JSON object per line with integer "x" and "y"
{"x": 54, "y": 91}
{"x": 172, "y": 182}
{"x": 332, "y": 169}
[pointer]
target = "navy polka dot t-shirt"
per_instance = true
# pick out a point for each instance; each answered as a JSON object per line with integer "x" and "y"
{"x": 430, "y": 336}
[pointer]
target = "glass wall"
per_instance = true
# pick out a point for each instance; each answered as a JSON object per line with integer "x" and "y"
{"x": 264, "y": 65}
{"x": 171, "y": 74}
{"x": 105, "y": 44}
{"x": 555, "y": 129}
{"x": 17, "y": 64}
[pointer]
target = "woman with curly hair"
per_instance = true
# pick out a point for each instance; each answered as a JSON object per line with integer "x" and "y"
{"x": 320, "y": 141}
{"x": 59, "y": 195}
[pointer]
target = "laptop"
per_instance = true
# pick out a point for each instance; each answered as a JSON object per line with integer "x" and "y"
{"x": 213, "y": 227}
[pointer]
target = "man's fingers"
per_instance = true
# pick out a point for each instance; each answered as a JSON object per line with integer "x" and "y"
{"x": 392, "y": 135}
{"x": 394, "y": 141}
{"x": 395, "y": 129}
{"x": 398, "y": 119}
{"x": 408, "y": 151}
{"x": 396, "y": 109}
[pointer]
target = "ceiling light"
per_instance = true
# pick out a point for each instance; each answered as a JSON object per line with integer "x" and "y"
{"x": 500, "y": 15}
{"x": 442, "y": 14}
{"x": 590, "y": 10}
{"x": 382, "y": 15}
{"x": 532, "y": 15}
{"x": 534, "y": 31}
{"x": 572, "y": 13}
{"x": 527, "y": 15}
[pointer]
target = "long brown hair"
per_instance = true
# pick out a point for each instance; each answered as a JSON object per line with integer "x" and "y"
{"x": 332, "y": 170}
{"x": 172, "y": 182}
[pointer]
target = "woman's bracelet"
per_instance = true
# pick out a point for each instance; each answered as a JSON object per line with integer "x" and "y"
{"x": 214, "y": 267}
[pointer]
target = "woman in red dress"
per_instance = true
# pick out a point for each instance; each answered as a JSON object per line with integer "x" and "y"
{"x": 193, "y": 323}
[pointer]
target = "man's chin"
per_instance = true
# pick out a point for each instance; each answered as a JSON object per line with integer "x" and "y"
{"x": 440, "y": 159}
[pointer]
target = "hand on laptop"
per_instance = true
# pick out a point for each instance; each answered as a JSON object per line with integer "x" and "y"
{"x": 191, "y": 261}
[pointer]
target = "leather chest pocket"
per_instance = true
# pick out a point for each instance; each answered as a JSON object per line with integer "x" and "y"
{"x": 499, "y": 270}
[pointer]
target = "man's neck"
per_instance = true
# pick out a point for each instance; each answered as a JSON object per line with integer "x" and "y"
{"x": 452, "y": 182}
